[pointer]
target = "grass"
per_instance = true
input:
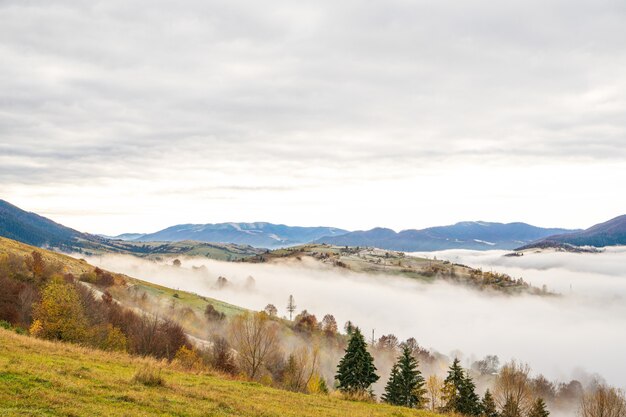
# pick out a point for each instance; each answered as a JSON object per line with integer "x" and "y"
{"x": 41, "y": 378}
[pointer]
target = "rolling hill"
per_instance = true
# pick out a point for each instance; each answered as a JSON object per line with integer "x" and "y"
{"x": 609, "y": 233}
{"x": 39, "y": 377}
{"x": 33, "y": 229}
{"x": 260, "y": 234}
{"x": 463, "y": 235}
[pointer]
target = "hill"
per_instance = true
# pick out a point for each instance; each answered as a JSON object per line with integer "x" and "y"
{"x": 260, "y": 234}
{"x": 609, "y": 233}
{"x": 55, "y": 379}
{"x": 33, "y": 229}
{"x": 392, "y": 263}
{"x": 463, "y": 235}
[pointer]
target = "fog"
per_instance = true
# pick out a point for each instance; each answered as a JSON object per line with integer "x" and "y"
{"x": 572, "y": 336}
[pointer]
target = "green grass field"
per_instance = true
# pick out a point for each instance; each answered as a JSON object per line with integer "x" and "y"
{"x": 41, "y": 378}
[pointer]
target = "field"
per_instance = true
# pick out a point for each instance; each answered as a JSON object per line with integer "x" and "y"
{"x": 41, "y": 378}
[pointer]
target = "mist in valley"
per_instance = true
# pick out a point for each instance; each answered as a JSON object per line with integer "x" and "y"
{"x": 578, "y": 335}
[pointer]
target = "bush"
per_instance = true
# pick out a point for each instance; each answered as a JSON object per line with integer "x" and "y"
{"x": 5, "y": 325}
{"x": 149, "y": 377}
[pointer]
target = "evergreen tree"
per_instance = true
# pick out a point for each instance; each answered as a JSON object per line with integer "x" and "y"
{"x": 356, "y": 371}
{"x": 511, "y": 409}
{"x": 470, "y": 401}
{"x": 489, "y": 405}
{"x": 392, "y": 395}
{"x": 539, "y": 409}
{"x": 406, "y": 384}
{"x": 459, "y": 392}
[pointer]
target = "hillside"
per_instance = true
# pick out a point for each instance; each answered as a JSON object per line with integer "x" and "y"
{"x": 33, "y": 229}
{"x": 36, "y": 230}
{"x": 260, "y": 234}
{"x": 609, "y": 233}
{"x": 54, "y": 379}
{"x": 383, "y": 262}
{"x": 464, "y": 235}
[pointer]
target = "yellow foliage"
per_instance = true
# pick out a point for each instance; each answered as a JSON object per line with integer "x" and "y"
{"x": 115, "y": 339}
{"x": 187, "y": 358}
{"x": 36, "y": 329}
{"x": 60, "y": 314}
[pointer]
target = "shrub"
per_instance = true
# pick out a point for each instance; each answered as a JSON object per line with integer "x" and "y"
{"x": 187, "y": 358}
{"x": 149, "y": 377}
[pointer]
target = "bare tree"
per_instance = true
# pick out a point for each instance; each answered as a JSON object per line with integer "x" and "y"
{"x": 271, "y": 310}
{"x": 513, "y": 387}
{"x": 254, "y": 336}
{"x": 291, "y": 306}
{"x": 434, "y": 387}
{"x": 302, "y": 365}
{"x": 603, "y": 401}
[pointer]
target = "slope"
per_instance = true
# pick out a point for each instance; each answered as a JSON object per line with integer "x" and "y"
{"x": 54, "y": 379}
{"x": 609, "y": 233}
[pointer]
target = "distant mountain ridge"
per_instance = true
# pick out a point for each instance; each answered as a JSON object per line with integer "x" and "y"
{"x": 609, "y": 233}
{"x": 258, "y": 234}
{"x": 33, "y": 229}
{"x": 477, "y": 235}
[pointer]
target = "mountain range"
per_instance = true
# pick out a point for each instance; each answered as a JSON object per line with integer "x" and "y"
{"x": 609, "y": 233}
{"x": 259, "y": 234}
{"x": 238, "y": 239}
{"x": 476, "y": 235}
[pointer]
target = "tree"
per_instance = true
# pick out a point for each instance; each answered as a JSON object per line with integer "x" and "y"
{"x": 459, "y": 393}
{"x": 489, "y": 405}
{"x": 356, "y": 371}
{"x": 511, "y": 408}
{"x": 434, "y": 386}
{"x": 603, "y": 402}
{"x": 538, "y": 409}
{"x": 254, "y": 337}
{"x": 291, "y": 306}
{"x": 302, "y": 366}
{"x": 177, "y": 263}
{"x": 349, "y": 327}
{"x": 60, "y": 315}
{"x": 306, "y": 322}
{"x": 406, "y": 386}
{"x": 212, "y": 314}
{"x": 392, "y": 389}
{"x": 513, "y": 387}
{"x": 329, "y": 325}
{"x": 271, "y": 310}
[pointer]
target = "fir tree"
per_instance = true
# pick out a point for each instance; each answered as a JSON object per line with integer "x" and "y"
{"x": 489, "y": 405}
{"x": 470, "y": 401}
{"x": 459, "y": 392}
{"x": 539, "y": 409}
{"x": 406, "y": 384}
{"x": 356, "y": 371}
{"x": 511, "y": 409}
{"x": 392, "y": 394}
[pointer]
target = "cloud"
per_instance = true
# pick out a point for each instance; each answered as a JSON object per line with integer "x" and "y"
{"x": 557, "y": 336}
{"x": 310, "y": 93}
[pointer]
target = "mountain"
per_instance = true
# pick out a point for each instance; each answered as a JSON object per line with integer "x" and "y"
{"x": 126, "y": 236}
{"x": 464, "y": 235}
{"x": 609, "y": 233}
{"x": 33, "y": 229}
{"x": 36, "y": 230}
{"x": 260, "y": 234}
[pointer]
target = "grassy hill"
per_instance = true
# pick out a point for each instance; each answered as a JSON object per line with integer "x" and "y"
{"x": 41, "y": 378}
{"x": 378, "y": 261}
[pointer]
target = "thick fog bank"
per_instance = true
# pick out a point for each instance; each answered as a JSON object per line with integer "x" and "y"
{"x": 563, "y": 337}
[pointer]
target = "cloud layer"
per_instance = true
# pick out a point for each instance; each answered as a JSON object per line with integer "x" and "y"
{"x": 562, "y": 337}
{"x": 303, "y": 103}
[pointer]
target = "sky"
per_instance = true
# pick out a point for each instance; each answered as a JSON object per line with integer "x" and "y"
{"x": 120, "y": 116}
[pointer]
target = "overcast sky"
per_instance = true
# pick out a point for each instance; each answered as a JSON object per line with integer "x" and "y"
{"x": 120, "y": 116}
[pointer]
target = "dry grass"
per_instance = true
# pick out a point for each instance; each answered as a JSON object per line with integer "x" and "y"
{"x": 41, "y": 378}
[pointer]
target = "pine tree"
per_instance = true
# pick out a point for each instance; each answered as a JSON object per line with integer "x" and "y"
{"x": 511, "y": 409}
{"x": 391, "y": 394}
{"x": 356, "y": 371}
{"x": 489, "y": 405}
{"x": 470, "y": 401}
{"x": 459, "y": 393}
{"x": 539, "y": 409}
{"x": 406, "y": 384}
